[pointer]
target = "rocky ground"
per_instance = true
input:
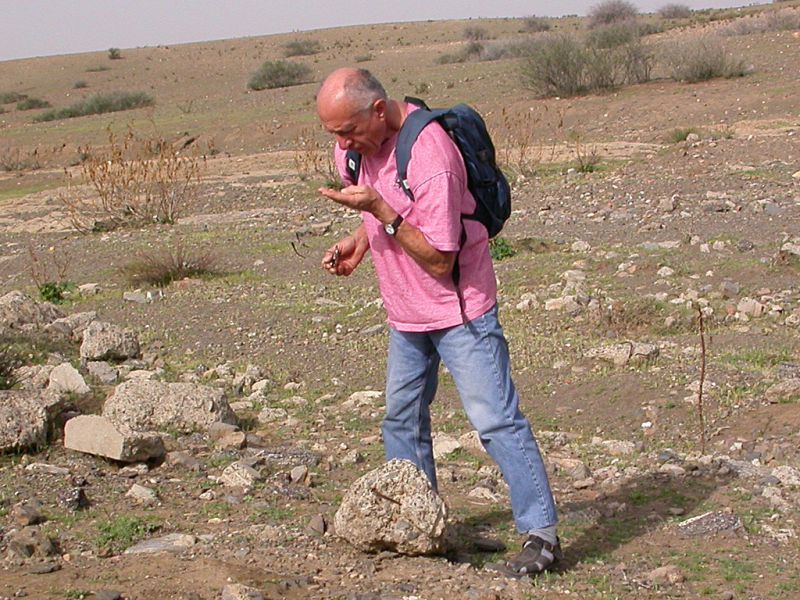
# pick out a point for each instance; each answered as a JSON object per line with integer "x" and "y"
{"x": 195, "y": 441}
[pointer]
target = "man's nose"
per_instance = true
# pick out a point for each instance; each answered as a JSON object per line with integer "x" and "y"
{"x": 344, "y": 142}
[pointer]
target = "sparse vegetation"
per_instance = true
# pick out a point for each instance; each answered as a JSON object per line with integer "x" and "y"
{"x": 470, "y": 51}
{"x": 137, "y": 180}
{"x": 114, "y": 53}
{"x": 674, "y": 11}
{"x": 48, "y": 270}
{"x": 99, "y": 104}
{"x": 118, "y": 533}
{"x": 301, "y": 48}
{"x": 500, "y": 248}
{"x": 279, "y": 73}
{"x": 98, "y": 69}
{"x": 475, "y": 33}
{"x": 679, "y": 135}
{"x": 167, "y": 264}
{"x": 785, "y": 19}
{"x": 701, "y": 57}
{"x": 11, "y": 97}
{"x": 611, "y": 11}
{"x": 9, "y": 361}
{"x": 32, "y": 103}
{"x": 534, "y": 24}
{"x": 80, "y": 84}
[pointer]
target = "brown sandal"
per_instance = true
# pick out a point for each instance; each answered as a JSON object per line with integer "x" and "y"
{"x": 536, "y": 557}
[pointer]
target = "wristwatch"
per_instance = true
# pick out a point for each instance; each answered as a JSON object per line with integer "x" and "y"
{"x": 391, "y": 228}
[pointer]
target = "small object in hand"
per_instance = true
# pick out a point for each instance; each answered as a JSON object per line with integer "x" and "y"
{"x": 334, "y": 259}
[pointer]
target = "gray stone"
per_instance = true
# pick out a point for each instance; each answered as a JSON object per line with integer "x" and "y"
{"x": 235, "y": 440}
{"x": 666, "y": 575}
{"x": 33, "y": 377}
{"x": 709, "y": 523}
{"x": 240, "y": 475}
{"x": 173, "y": 542}
{"x": 444, "y": 444}
{"x": 784, "y": 391}
{"x": 26, "y": 418}
{"x": 18, "y": 311}
{"x": 146, "y": 405}
{"x": 73, "y": 325}
{"x": 623, "y": 354}
{"x": 184, "y": 460}
{"x": 393, "y": 508}
{"x": 66, "y": 379}
{"x": 237, "y": 591}
{"x": 103, "y": 371}
{"x": 142, "y": 494}
{"x": 28, "y": 542}
{"x": 104, "y": 341}
{"x": 28, "y": 512}
{"x": 299, "y": 474}
{"x": 574, "y": 469}
{"x": 98, "y": 435}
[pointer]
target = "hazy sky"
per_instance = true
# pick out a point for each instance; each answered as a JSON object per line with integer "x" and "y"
{"x": 45, "y": 27}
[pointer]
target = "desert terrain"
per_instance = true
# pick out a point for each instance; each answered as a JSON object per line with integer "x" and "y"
{"x": 652, "y": 279}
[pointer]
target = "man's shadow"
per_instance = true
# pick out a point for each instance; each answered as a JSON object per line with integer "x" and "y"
{"x": 607, "y": 522}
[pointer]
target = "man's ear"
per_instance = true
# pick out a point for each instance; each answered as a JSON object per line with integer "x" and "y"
{"x": 379, "y": 106}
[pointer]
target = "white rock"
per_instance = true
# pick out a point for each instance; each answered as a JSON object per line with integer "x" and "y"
{"x": 66, "y": 378}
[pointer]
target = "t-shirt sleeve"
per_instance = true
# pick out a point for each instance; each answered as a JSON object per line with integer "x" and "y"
{"x": 437, "y": 178}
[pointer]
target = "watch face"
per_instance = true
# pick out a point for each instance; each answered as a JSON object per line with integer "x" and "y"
{"x": 389, "y": 228}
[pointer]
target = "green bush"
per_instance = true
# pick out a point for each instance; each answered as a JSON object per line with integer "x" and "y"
{"x": 98, "y": 104}
{"x": 55, "y": 291}
{"x": 700, "y": 58}
{"x": 611, "y": 11}
{"x": 674, "y": 11}
{"x": 98, "y": 69}
{"x": 10, "y": 97}
{"x": 301, "y": 48}
{"x": 279, "y": 73}
{"x": 80, "y": 84}
{"x": 557, "y": 66}
{"x": 500, "y": 248}
{"x": 114, "y": 53}
{"x": 32, "y": 103}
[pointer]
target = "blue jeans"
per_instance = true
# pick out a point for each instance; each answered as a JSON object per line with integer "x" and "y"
{"x": 476, "y": 354}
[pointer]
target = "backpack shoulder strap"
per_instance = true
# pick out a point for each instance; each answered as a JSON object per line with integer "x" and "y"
{"x": 413, "y": 125}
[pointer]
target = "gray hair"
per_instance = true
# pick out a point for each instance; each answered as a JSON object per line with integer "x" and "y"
{"x": 363, "y": 88}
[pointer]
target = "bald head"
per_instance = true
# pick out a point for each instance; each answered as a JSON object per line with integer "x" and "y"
{"x": 356, "y": 89}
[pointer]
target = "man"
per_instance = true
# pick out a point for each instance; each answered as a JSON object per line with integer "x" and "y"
{"x": 414, "y": 248}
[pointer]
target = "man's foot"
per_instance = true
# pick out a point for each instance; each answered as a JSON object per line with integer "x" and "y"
{"x": 536, "y": 557}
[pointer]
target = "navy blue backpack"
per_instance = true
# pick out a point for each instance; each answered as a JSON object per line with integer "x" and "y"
{"x": 485, "y": 180}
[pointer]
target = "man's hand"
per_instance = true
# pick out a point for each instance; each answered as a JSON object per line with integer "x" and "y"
{"x": 345, "y": 256}
{"x": 362, "y": 198}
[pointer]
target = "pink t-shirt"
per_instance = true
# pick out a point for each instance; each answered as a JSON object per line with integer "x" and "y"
{"x": 414, "y": 299}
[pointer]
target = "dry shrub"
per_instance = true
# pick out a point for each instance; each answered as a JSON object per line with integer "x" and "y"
{"x": 674, "y": 11}
{"x": 165, "y": 265}
{"x": 700, "y": 58}
{"x": 9, "y": 362}
{"x": 48, "y": 270}
{"x": 136, "y": 181}
{"x": 785, "y": 19}
{"x": 534, "y": 24}
{"x": 611, "y": 11}
{"x": 302, "y": 48}
{"x": 518, "y": 137}
{"x": 313, "y": 158}
{"x": 470, "y": 51}
{"x": 474, "y": 33}
{"x": 279, "y": 73}
{"x": 97, "y": 105}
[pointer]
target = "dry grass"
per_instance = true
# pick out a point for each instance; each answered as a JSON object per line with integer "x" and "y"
{"x": 163, "y": 266}
{"x": 137, "y": 180}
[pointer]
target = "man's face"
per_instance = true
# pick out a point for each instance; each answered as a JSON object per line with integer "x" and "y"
{"x": 360, "y": 130}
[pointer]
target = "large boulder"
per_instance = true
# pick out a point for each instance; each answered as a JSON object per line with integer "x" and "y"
{"x": 26, "y": 417}
{"x": 146, "y": 405}
{"x": 393, "y": 508}
{"x": 104, "y": 341}
{"x": 97, "y": 435}
{"x": 18, "y": 311}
